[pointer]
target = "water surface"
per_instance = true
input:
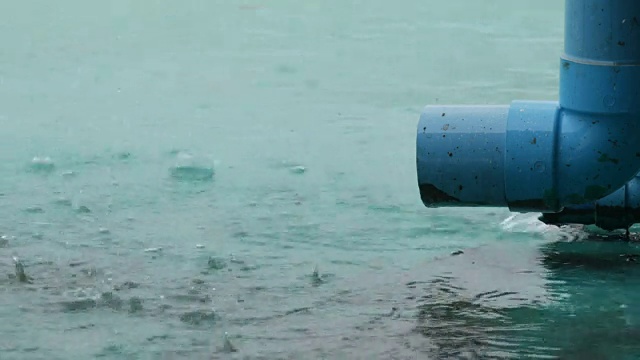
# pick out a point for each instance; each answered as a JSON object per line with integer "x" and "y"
{"x": 171, "y": 173}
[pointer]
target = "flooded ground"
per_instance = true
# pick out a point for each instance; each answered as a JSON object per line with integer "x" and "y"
{"x": 224, "y": 179}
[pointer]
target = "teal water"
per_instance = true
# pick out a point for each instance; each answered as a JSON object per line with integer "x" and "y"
{"x": 218, "y": 179}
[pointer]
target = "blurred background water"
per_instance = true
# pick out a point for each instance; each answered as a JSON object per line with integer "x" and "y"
{"x": 236, "y": 179}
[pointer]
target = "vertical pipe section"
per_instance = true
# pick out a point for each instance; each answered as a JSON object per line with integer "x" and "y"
{"x": 605, "y": 31}
{"x": 599, "y": 70}
{"x": 600, "y": 81}
{"x": 600, "y": 99}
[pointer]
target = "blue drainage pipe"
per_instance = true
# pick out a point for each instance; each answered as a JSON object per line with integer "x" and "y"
{"x": 543, "y": 156}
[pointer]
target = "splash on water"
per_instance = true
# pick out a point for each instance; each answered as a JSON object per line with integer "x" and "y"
{"x": 524, "y": 223}
{"x": 529, "y": 224}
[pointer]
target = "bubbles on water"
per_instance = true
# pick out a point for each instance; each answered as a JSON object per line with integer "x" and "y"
{"x": 34, "y": 210}
{"x": 81, "y": 209}
{"x": 293, "y": 167}
{"x": 62, "y": 201}
{"x": 74, "y": 205}
{"x": 192, "y": 168}
{"x": 191, "y": 172}
{"x": 124, "y": 155}
{"x": 69, "y": 174}
{"x": 42, "y": 164}
{"x": 298, "y": 169}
